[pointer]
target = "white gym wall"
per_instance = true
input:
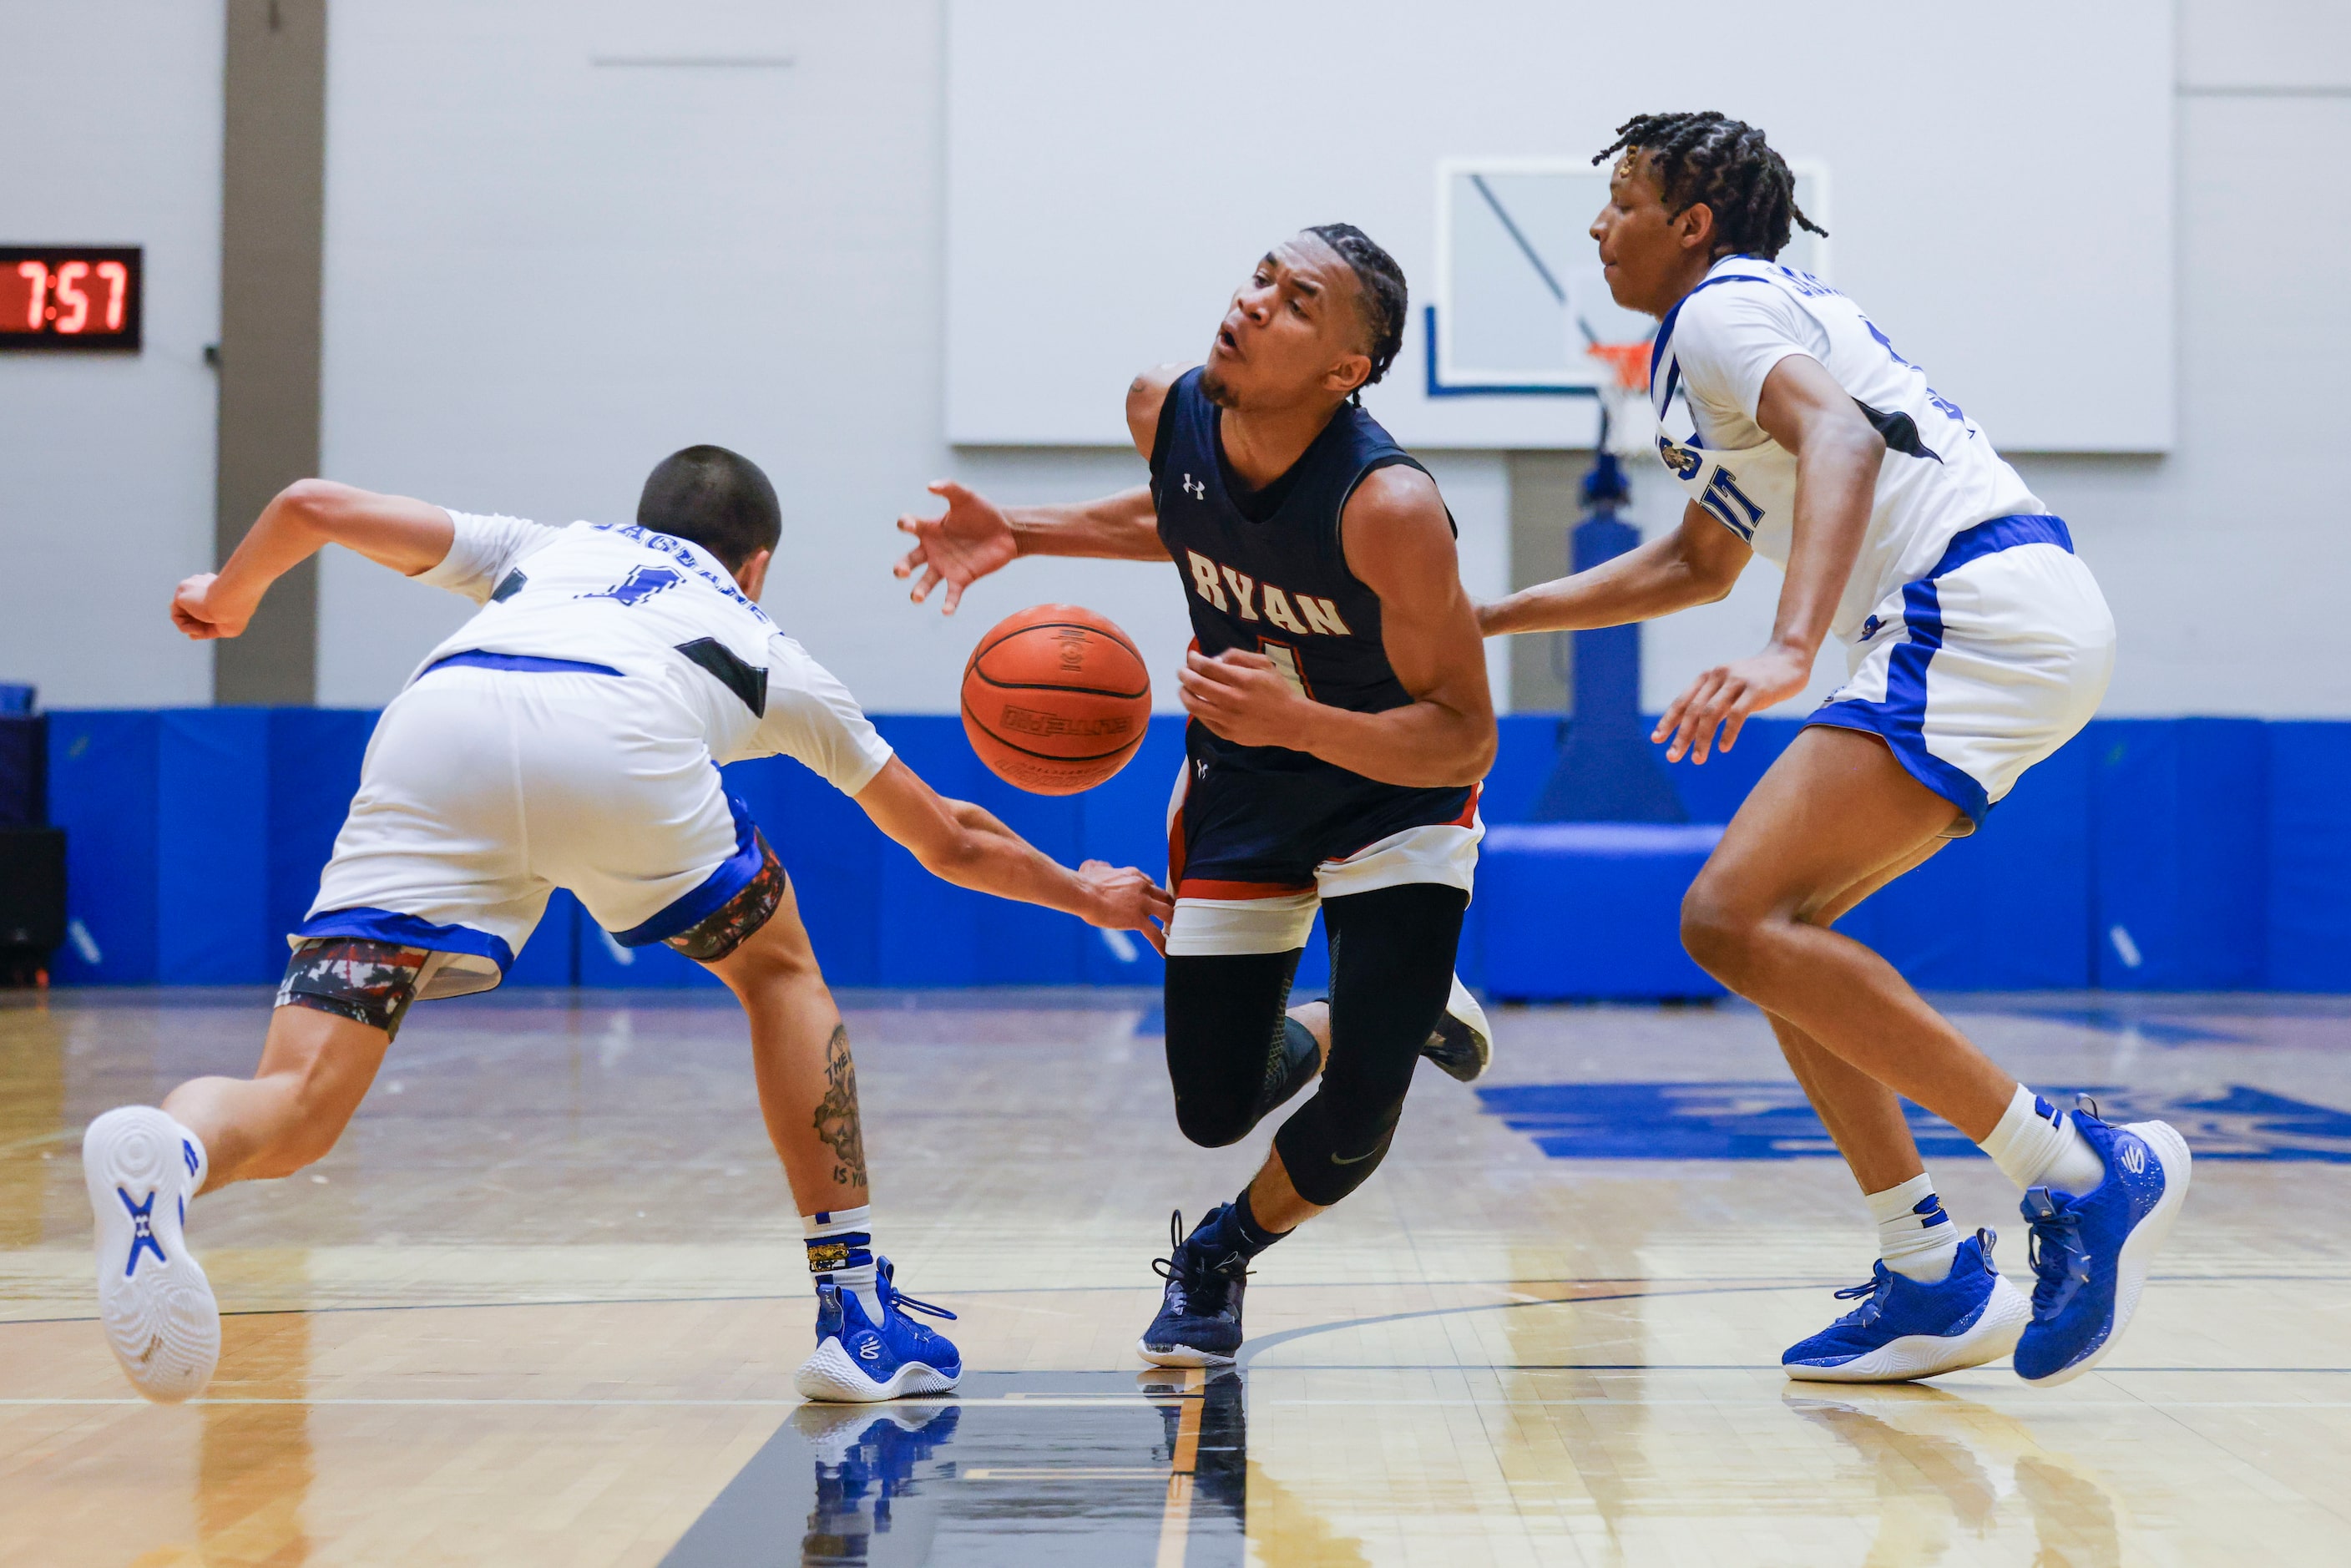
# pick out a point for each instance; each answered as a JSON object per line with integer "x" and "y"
{"x": 543, "y": 274}
{"x": 1113, "y": 170}
{"x": 112, "y": 113}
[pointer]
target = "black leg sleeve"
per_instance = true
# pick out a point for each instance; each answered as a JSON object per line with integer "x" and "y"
{"x": 1226, "y": 1039}
{"x": 1391, "y": 970}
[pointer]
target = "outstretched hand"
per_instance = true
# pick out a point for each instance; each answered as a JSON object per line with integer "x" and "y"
{"x": 1127, "y": 900}
{"x": 203, "y": 614}
{"x": 1726, "y": 696}
{"x": 973, "y": 538}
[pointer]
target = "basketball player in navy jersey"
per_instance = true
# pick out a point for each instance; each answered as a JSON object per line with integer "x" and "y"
{"x": 1340, "y": 723}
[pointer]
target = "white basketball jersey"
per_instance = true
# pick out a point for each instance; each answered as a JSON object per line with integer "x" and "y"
{"x": 1714, "y": 350}
{"x": 642, "y": 603}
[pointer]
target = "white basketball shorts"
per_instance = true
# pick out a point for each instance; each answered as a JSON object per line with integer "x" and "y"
{"x": 1983, "y": 667}
{"x": 485, "y": 788}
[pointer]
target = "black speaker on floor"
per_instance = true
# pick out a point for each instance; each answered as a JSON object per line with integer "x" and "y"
{"x": 32, "y": 901}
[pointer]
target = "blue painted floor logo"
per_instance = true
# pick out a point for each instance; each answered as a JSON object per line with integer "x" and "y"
{"x": 1771, "y": 1120}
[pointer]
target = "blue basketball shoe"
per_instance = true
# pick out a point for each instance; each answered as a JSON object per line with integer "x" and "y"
{"x": 2091, "y": 1252}
{"x": 1199, "y": 1320}
{"x": 1903, "y": 1329}
{"x": 858, "y": 1361}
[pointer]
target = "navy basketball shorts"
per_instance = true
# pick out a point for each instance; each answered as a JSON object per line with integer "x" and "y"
{"x": 1252, "y": 855}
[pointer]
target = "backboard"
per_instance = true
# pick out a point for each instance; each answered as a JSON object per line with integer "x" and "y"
{"x": 1519, "y": 296}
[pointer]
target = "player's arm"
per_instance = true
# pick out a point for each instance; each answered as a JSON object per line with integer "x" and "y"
{"x": 975, "y": 536}
{"x": 1399, "y": 543}
{"x": 1696, "y": 564}
{"x": 964, "y": 845}
{"x": 409, "y": 536}
{"x": 1837, "y": 455}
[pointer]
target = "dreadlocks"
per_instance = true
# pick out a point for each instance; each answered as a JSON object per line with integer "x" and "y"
{"x": 1380, "y": 287}
{"x": 1726, "y": 163}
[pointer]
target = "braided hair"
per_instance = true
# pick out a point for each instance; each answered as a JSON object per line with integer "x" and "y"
{"x": 1726, "y": 163}
{"x": 1380, "y": 288}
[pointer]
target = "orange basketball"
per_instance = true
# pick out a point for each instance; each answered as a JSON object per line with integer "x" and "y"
{"x": 1055, "y": 699}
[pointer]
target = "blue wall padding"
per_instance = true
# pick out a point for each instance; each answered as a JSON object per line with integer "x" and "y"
{"x": 551, "y": 955}
{"x": 1591, "y": 909}
{"x": 103, "y": 785}
{"x": 211, "y": 822}
{"x": 604, "y": 964}
{"x": 1711, "y": 790}
{"x": 314, "y": 771}
{"x": 2181, "y": 838}
{"x": 1527, "y": 744}
{"x": 2309, "y": 858}
{"x": 194, "y": 839}
{"x": 2005, "y": 909}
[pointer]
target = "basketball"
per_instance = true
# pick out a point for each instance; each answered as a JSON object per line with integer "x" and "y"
{"x": 1055, "y": 699}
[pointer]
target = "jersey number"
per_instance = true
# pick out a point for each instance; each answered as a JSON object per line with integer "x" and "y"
{"x": 1727, "y": 501}
{"x": 640, "y": 585}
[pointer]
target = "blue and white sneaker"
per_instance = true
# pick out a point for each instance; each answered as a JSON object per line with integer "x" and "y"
{"x": 156, "y": 1305}
{"x": 1903, "y": 1329}
{"x": 2091, "y": 1253}
{"x": 859, "y": 1362}
{"x": 1199, "y": 1320}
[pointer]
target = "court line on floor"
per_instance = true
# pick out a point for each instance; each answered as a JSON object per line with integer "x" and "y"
{"x": 1701, "y": 1366}
{"x": 1716, "y": 1288}
{"x": 1098, "y": 1402}
{"x": 1252, "y": 1349}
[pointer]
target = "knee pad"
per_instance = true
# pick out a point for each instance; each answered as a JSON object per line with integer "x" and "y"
{"x": 733, "y": 923}
{"x": 368, "y": 982}
{"x": 1326, "y": 1163}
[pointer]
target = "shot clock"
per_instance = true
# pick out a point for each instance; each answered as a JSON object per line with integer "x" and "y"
{"x": 70, "y": 299}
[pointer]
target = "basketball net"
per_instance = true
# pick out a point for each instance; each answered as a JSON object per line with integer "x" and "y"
{"x": 1625, "y": 420}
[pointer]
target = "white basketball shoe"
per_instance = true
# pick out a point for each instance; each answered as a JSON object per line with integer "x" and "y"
{"x": 142, "y": 1167}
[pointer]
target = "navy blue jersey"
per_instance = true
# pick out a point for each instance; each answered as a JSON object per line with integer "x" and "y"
{"x": 1265, "y": 570}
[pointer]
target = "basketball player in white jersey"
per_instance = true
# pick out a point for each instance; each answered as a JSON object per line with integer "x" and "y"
{"x": 567, "y": 736}
{"x": 1977, "y": 643}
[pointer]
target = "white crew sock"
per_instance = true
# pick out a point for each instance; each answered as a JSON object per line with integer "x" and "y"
{"x": 1914, "y": 1235}
{"x": 840, "y": 1248}
{"x": 2036, "y": 1144}
{"x": 194, "y": 1150}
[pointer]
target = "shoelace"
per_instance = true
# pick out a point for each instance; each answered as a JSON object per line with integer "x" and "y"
{"x": 897, "y": 1297}
{"x": 2060, "y": 1264}
{"x": 1875, "y": 1288}
{"x": 1189, "y": 1274}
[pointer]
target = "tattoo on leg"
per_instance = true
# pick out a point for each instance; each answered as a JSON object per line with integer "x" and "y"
{"x": 836, "y": 1113}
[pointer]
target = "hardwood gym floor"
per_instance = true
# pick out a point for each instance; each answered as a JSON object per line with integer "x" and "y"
{"x": 544, "y": 1304}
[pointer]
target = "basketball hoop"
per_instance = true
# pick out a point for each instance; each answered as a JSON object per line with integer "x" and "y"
{"x": 1624, "y": 398}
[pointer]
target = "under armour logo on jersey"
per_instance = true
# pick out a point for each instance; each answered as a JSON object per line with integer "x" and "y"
{"x": 1194, "y": 488}
{"x": 640, "y": 585}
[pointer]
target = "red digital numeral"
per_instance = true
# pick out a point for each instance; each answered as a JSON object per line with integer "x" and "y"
{"x": 117, "y": 277}
{"x": 37, "y": 275}
{"x": 69, "y": 275}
